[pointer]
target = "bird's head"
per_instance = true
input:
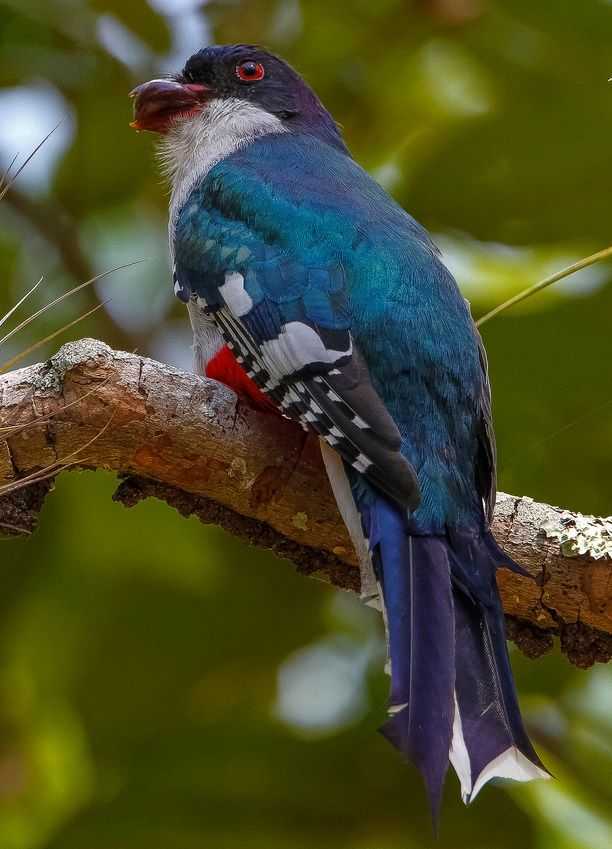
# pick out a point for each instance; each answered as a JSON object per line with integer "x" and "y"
{"x": 240, "y": 80}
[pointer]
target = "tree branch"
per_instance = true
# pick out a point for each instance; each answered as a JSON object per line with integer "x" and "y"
{"x": 189, "y": 441}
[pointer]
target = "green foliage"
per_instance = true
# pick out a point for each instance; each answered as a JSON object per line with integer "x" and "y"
{"x": 161, "y": 685}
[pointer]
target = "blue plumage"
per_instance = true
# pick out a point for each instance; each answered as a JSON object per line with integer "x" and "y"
{"x": 413, "y": 572}
{"x": 338, "y": 306}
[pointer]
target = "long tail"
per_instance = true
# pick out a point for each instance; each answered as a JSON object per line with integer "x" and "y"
{"x": 416, "y": 588}
{"x": 452, "y": 697}
{"x": 489, "y": 738}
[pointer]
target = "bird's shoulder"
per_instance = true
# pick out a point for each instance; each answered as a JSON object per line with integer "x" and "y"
{"x": 298, "y": 191}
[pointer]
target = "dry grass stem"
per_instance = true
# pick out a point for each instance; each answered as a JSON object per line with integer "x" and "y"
{"x": 548, "y": 281}
{"x": 60, "y": 465}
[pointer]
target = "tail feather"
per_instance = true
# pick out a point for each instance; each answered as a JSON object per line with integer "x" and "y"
{"x": 414, "y": 575}
{"x": 452, "y": 696}
{"x": 488, "y": 718}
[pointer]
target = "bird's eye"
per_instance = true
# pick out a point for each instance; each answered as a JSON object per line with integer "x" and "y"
{"x": 250, "y": 72}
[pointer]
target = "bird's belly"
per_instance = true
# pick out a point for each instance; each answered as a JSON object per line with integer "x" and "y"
{"x": 225, "y": 368}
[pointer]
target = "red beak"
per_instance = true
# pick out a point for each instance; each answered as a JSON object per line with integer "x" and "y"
{"x": 159, "y": 103}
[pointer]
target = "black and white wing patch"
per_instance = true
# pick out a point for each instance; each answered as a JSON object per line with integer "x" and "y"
{"x": 362, "y": 429}
{"x": 317, "y": 376}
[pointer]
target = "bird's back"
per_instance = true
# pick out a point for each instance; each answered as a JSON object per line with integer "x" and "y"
{"x": 317, "y": 206}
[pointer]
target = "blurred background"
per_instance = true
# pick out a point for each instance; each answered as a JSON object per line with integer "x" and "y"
{"x": 161, "y": 685}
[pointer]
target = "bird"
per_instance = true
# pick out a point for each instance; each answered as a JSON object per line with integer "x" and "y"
{"x": 314, "y": 295}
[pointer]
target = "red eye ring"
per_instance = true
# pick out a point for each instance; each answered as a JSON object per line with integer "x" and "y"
{"x": 250, "y": 72}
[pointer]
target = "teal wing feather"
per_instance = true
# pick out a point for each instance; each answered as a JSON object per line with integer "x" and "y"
{"x": 284, "y": 309}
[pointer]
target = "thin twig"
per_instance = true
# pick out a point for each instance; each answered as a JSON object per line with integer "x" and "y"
{"x": 8, "y": 527}
{"x": 22, "y": 354}
{"x": 36, "y": 477}
{"x": 52, "y": 223}
{"x": 14, "y": 430}
{"x": 4, "y": 177}
{"x": 558, "y": 275}
{"x": 63, "y": 297}
{"x": 11, "y": 179}
{"x": 57, "y": 467}
{"x": 6, "y": 317}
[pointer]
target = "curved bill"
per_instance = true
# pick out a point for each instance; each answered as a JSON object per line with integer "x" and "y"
{"x": 158, "y": 104}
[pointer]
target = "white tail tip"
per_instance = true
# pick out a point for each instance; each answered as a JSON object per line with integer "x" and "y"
{"x": 511, "y": 763}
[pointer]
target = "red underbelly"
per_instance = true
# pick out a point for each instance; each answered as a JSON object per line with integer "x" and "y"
{"x": 225, "y": 368}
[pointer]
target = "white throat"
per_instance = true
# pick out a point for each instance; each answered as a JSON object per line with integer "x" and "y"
{"x": 190, "y": 149}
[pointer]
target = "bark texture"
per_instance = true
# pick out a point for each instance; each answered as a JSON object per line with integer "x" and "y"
{"x": 189, "y": 441}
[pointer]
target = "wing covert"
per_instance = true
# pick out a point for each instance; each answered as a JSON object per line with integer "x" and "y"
{"x": 287, "y": 320}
